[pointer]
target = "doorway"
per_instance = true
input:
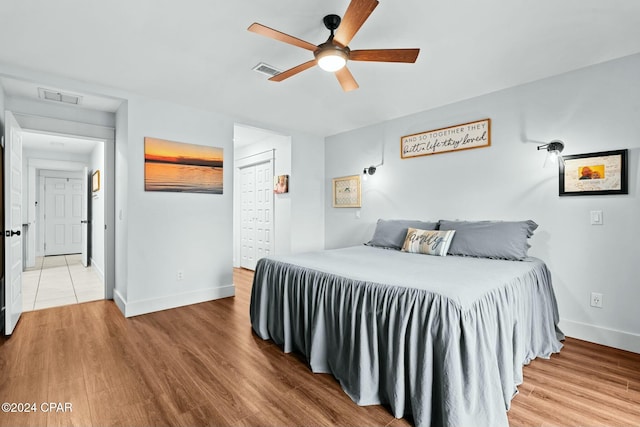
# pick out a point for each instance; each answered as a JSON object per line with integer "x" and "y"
{"x": 261, "y": 225}
{"x": 58, "y": 231}
{"x": 63, "y": 199}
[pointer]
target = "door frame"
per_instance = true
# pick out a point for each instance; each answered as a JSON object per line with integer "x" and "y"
{"x": 43, "y": 176}
{"x": 45, "y": 168}
{"x": 107, "y": 135}
{"x": 12, "y": 183}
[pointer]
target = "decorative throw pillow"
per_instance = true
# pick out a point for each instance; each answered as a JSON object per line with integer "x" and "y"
{"x": 490, "y": 239}
{"x": 430, "y": 242}
{"x": 391, "y": 233}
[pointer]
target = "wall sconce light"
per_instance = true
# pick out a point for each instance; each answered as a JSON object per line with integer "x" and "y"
{"x": 372, "y": 169}
{"x": 554, "y": 148}
{"x": 369, "y": 171}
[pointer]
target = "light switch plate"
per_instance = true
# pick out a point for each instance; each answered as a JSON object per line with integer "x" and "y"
{"x": 596, "y": 217}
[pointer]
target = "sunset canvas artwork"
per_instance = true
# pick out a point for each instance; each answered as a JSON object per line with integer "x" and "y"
{"x": 180, "y": 167}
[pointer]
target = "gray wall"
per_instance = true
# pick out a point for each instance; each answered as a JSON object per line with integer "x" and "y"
{"x": 593, "y": 109}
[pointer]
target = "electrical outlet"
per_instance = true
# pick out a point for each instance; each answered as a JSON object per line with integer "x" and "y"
{"x": 180, "y": 275}
{"x": 596, "y": 300}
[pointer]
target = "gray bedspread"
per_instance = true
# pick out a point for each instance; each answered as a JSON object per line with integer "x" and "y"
{"x": 441, "y": 338}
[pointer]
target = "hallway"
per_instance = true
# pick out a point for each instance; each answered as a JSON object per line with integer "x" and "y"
{"x": 59, "y": 280}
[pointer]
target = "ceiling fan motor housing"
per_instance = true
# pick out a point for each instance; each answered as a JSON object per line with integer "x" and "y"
{"x": 331, "y": 49}
{"x": 332, "y": 22}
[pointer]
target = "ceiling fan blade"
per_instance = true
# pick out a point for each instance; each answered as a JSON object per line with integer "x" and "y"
{"x": 280, "y": 36}
{"x": 385, "y": 55}
{"x": 293, "y": 71}
{"x": 357, "y": 12}
{"x": 346, "y": 79}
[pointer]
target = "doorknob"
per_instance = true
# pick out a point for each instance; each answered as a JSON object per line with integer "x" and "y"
{"x": 84, "y": 221}
{"x": 10, "y": 233}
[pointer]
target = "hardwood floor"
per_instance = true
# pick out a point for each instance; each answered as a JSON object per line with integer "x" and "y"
{"x": 202, "y": 365}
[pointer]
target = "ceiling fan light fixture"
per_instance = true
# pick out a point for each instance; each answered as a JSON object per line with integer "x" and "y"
{"x": 331, "y": 58}
{"x": 333, "y": 55}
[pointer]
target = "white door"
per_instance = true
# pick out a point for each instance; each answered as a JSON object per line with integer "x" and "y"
{"x": 247, "y": 216}
{"x": 63, "y": 216}
{"x": 264, "y": 210}
{"x": 256, "y": 213}
{"x": 84, "y": 220}
{"x": 12, "y": 222}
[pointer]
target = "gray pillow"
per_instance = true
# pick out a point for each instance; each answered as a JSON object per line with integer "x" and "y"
{"x": 490, "y": 239}
{"x": 391, "y": 233}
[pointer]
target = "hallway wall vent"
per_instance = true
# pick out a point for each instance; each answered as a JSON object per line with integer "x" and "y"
{"x": 53, "y": 95}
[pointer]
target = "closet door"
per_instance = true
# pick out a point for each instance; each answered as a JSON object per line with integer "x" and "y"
{"x": 63, "y": 216}
{"x": 247, "y": 217}
{"x": 256, "y": 213}
{"x": 264, "y": 210}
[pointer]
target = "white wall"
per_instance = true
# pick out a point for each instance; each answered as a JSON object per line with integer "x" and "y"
{"x": 121, "y": 250}
{"x": 96, "y": 163}
{"x": 307, "y": 186}
{"x": 167, "y": 232}
{"x": 60, "y": 111}
{"x": 593, "y": 109}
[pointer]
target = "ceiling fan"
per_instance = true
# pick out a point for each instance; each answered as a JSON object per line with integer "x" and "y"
{"x": 333, "y": 54}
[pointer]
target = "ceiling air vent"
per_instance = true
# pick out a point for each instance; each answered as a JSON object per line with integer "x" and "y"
{"x": 54, "y": 95}
{"x": 266, "y": 69}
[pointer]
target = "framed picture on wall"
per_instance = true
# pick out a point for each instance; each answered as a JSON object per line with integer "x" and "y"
{"x": 181, "y": 167}
{"x": 599, "y": 173}
{"x": 281, "y": 184}
{"x": 346, "y": 192}
{"x": 95, "y": 181}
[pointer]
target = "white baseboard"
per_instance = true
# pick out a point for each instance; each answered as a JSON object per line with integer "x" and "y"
{"x": 600, "y": 335}
{"x": 98, "y": 269}
{"x": 136, "y": 308}
{"x": 119, "y": 300}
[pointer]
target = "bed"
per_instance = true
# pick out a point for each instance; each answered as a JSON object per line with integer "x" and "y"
{"x": 440, "y": 338}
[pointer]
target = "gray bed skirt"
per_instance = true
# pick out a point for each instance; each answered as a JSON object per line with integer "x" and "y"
{"x": 441, "y": 338}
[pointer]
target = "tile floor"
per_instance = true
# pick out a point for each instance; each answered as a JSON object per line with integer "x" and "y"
{"x": 59, "y": 280}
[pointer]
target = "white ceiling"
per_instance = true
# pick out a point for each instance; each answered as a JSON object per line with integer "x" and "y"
{"x": 199, "y": 53}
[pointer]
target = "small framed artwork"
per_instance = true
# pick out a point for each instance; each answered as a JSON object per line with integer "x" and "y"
{"x": 95, "y": 181}
{"x": 599, "y": 173}
{"x": 346, "y": 192}
{"x": 281, "y": 184}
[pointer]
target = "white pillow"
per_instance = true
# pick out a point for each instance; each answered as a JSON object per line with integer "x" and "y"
{"x": 429, "y": 242}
